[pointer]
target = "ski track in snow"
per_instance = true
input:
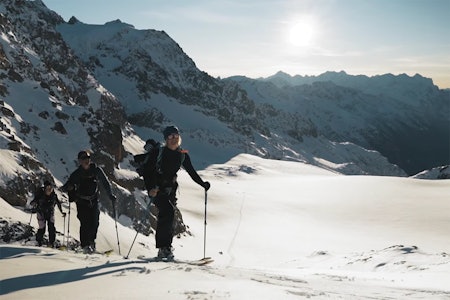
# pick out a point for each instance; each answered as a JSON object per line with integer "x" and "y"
{"x": 230, "y": 247}
{"x": 331, "y": 284}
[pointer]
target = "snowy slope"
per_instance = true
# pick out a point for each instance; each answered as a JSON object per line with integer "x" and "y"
{"x": 275, "y": 229}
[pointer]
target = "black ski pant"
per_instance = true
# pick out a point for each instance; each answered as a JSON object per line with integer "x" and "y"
{"x": 43, "y": 220}
{"x": 88, "y": 214}
{"x": 164, "y": 226}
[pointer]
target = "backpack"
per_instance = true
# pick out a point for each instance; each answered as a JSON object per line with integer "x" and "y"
{"x": 141, "y": 159}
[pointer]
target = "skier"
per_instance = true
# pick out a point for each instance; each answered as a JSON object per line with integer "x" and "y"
{"x": 82, "y": 187}
{"x": 44, "y": 202}
{"x": 160, "y": 177}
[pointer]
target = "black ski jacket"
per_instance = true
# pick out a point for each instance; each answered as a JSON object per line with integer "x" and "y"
{"x": 46, "y": 204}
{"x": 84, "y": 184}
{"x": 163, "y": 174}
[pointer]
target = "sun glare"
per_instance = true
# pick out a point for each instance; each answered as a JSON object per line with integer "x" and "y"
{"x": 302, "y": 33}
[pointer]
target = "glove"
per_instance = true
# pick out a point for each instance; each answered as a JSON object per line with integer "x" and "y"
{"x": 72, "y": 196}
{"x": 153, "y": 192}
{"x": 206, "y": 185}
{"x": 113, "y": 198}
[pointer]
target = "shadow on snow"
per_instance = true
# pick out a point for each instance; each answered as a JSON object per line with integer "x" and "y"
{"x": 15, "y": 284}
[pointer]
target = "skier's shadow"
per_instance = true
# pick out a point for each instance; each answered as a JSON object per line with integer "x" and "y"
{"x": 15, "y": 252}
{"x": 15, "y": 284}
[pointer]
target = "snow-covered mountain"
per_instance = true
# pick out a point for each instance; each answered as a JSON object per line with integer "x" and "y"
{"x": 51, "y": 105}
{"x": 442, "y": 172}
{"x": 67, "y": 86}
{"x": 406, "y": 119}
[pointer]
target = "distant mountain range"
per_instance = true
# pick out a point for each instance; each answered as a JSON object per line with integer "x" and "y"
{"x": 67, "y": 86}
{"x": 406, "y": 119}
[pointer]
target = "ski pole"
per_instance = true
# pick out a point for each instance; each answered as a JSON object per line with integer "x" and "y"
{"x": 117, "y": 231}
{"x": 29, "y": 223}
{"x": 64, "y": 232}
{"x": 137, "y": 232}
{"x": 68, "y": 228}
{"x": 204, "y": 230}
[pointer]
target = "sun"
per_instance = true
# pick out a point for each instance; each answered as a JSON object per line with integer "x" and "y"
{"x": 302, "y": 33}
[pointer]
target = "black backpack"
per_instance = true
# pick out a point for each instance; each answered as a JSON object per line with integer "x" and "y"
{"x": 141, "y": 159}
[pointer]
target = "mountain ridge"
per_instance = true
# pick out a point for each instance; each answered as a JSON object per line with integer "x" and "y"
{"x": 400, "y": 110}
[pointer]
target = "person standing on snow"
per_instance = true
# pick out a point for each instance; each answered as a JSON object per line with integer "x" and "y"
{"x": 83, "y": 188}
{"x": 160, "y": 177}
{"x": 44, "y": 202}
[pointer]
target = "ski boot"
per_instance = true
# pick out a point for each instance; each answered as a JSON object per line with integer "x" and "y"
{"x": 165, "y": 254}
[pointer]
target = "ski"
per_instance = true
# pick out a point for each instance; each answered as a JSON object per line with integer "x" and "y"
{"x": 198, "y": 262}
{"x": 107, "y": 252}
{"x": 150, "y": 259}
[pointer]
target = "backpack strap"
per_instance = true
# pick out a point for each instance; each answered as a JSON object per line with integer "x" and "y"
{"x": 160, "y": 154}
{"x": 183, "y": 155}
{"x": 159, "y": 159}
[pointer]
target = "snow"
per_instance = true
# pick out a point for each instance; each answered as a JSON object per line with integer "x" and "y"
{"x": 10, "y": 166}
{"x": 276, "y": 229}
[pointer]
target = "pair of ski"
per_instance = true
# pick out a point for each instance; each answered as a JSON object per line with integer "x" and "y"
{"x": 78, "y": 250}
{"x": 197, "y": 262}
{"x": 106, "y": 253}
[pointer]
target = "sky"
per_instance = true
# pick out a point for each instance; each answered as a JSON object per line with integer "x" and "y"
{"x": 257, "y": 38}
